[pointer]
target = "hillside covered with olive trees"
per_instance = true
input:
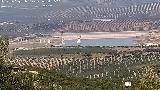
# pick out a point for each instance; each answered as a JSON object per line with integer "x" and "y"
{"x": 83, "y": 70}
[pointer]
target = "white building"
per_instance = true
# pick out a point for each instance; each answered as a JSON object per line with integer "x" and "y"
{"x": 151, "y": 44}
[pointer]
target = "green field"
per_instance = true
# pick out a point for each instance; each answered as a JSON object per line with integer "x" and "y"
{"x": 74, "y": 50}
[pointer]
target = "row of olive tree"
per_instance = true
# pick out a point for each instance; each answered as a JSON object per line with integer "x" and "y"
{"x": 3, "y": 49}
{"x": 50, "y": 80}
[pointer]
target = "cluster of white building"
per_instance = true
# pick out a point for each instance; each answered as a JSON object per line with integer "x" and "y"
{"x": 28, "y": 1}
{"x": 31, "y": 42}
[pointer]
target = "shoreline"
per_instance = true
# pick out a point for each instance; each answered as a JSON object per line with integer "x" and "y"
{"x": 100, "y": 35}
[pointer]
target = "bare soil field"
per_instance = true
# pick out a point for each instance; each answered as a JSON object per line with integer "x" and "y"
{"x": 100, "y": 35}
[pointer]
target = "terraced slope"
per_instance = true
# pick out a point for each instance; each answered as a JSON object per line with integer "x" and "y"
{"x": 146, "y": 10}
{"x": 68, "y": 10}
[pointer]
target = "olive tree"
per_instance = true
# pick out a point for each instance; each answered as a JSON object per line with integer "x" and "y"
{"x": 149, "y": 80}
{"x": 3, "y": 49}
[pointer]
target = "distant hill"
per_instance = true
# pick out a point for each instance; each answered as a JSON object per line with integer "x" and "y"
{"x": 64, "y": 10}
{"x": 49, "y": 15}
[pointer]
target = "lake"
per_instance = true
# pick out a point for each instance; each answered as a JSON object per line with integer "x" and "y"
{"x": 102, "y": 42}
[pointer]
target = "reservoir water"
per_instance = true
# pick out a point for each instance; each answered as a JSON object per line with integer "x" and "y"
{"x": 102, "y": 42}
